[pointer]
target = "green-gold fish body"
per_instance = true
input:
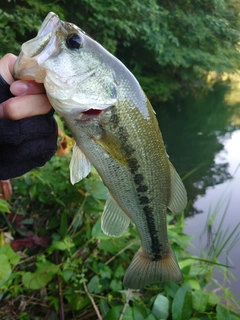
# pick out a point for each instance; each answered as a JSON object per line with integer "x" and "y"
{"x": 116, "y": 130}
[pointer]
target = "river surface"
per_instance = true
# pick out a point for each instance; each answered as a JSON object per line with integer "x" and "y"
{"x": 202, "y": 137}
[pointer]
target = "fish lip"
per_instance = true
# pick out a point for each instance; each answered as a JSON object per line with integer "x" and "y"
{"x": 49, "y": 23}
{"x": 31, "y": 57}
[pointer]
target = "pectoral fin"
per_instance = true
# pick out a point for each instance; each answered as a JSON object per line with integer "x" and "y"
{"x": 178, "y": 199}
{"x": 80, "y": 166}
{"x": 113, "y": 146}
{"x": 114, "y": 221}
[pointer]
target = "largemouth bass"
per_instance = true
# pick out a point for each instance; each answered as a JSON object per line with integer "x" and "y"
{"x": 116, "y": 130}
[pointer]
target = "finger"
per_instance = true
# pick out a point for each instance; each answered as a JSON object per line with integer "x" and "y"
{"x": 25, "y": 106}
{"x": 6, "y": 67}
{"x": 19, "y": 88}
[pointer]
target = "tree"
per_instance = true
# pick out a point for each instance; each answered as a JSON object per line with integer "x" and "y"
{"x": 169, "y": 45}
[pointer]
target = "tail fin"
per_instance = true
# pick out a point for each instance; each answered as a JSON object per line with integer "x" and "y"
{"x": 143, "y": 271}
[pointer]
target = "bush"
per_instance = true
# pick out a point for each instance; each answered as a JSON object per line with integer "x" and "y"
{"x": 60, "y": 264}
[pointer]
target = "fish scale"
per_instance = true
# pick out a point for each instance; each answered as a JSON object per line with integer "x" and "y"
{"x": 116, "y": 130}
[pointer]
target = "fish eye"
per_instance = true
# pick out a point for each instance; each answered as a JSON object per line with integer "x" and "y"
{"x": 74, "y": 41}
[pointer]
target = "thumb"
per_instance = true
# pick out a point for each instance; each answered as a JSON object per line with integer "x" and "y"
{"x": 6, "y": 67}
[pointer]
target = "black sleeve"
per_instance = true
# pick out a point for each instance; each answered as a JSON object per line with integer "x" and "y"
{"x": 26, "y": 143}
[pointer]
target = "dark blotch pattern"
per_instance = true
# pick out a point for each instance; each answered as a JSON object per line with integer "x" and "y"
{"x": 142, "y": 188}
{"x": 138, "y": 178}
{"x": 133, "y": 165}
{"x": 143, "y": 200}
{"x": 156, "y": 245}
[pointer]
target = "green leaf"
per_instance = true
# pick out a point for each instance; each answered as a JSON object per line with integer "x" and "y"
{"x": 93, "y": 284}
{"x": 67, "y": 274}
{"x": 97, "y": 231}
{"x": 104, "y": 307}
{"x": 65, "y": 244}
{"x": 36, "y": 280}
{"x": 112, "y": 245}
{"x": 57, "y": 245}
{"x": 150, "y": 317}
{"x": 116, "y": 285}
{"x": 77, "y": 301}
{"x": 105, "y": 271}
{"x": 5, "y": 269}
{"x": 28, "y": 221}
{"x": 4, "y": 206}
{"x": 98, "y": 190}
{"x": 41, "y": 277}
{"x": 115, "y": 313}
{"x": 161, "y": 307}
{"x": 200, "y": 300}
{"x": 182, "y": 304}
{"x": 119, "y": 271}
{"x": 171, "y": 288}
{"x": 186, "y": 263}
{"x": 213, "y": 298}
{"x": 12, "y": 256}
{"x": 224, "y": 313}
{"x": 140, "y": 312}
{"x": 194, "y": 284}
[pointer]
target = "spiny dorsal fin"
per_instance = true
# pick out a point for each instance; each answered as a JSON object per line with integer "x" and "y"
{"x": 114, "y": 221}
{"x": 80, "y": 166}
{"x": 144, "y": 271}
{"x": 178, "y": 199}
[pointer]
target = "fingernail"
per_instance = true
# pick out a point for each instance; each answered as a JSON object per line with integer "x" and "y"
{"x": 19, "y": 88}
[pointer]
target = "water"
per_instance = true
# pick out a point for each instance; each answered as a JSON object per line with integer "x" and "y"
{"x": 202, "y": 136}
{"x": 225, "y": 195}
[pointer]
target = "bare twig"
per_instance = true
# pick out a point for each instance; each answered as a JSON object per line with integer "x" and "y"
{"x": 92, "y": 301}
{"x": 129, "y": 294}
{"x": 121, "y": 251}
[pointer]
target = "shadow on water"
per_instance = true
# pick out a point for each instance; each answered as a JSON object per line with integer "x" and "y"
{"x": 194, "y": 130}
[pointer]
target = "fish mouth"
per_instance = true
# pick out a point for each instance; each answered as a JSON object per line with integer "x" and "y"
{"x": 49, "y": 23}
{"x": 102, "y": 115}
{"x": 27, "y": 65}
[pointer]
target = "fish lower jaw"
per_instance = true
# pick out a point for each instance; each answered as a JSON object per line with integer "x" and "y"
{"x": 30, "y": 74}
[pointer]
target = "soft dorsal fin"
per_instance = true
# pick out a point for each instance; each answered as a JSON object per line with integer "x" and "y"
{"x": 178, "y": 199}
{"x": 114, "y": 221}
{"x": 80, "y": 166}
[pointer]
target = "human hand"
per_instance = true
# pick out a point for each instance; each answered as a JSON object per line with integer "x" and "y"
{"x": 29, "y": 97}
{"x": 28, "y": 131}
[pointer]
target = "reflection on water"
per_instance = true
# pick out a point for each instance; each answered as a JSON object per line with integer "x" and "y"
{"x": 194, "y": 131}
{"x": 227, "y": 194}
{"x": 202, "y": 137}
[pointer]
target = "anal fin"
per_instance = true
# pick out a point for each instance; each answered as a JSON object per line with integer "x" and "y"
{"x": 114, "y": 221}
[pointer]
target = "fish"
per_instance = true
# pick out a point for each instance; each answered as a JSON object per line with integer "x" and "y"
{"x": 115, "y": 130}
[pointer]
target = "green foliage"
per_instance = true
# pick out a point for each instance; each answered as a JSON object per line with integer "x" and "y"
{"x": 20, "y": 20}
{"x": 8, "y": 259}
{"x": 65, "y": 262}
{"x": 170, "y": 45}
{"x": 71, "y": 259}
{"x": 4, "y": 207}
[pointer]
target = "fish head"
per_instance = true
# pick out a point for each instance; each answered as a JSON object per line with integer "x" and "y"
{"x": 71, "y": 65}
